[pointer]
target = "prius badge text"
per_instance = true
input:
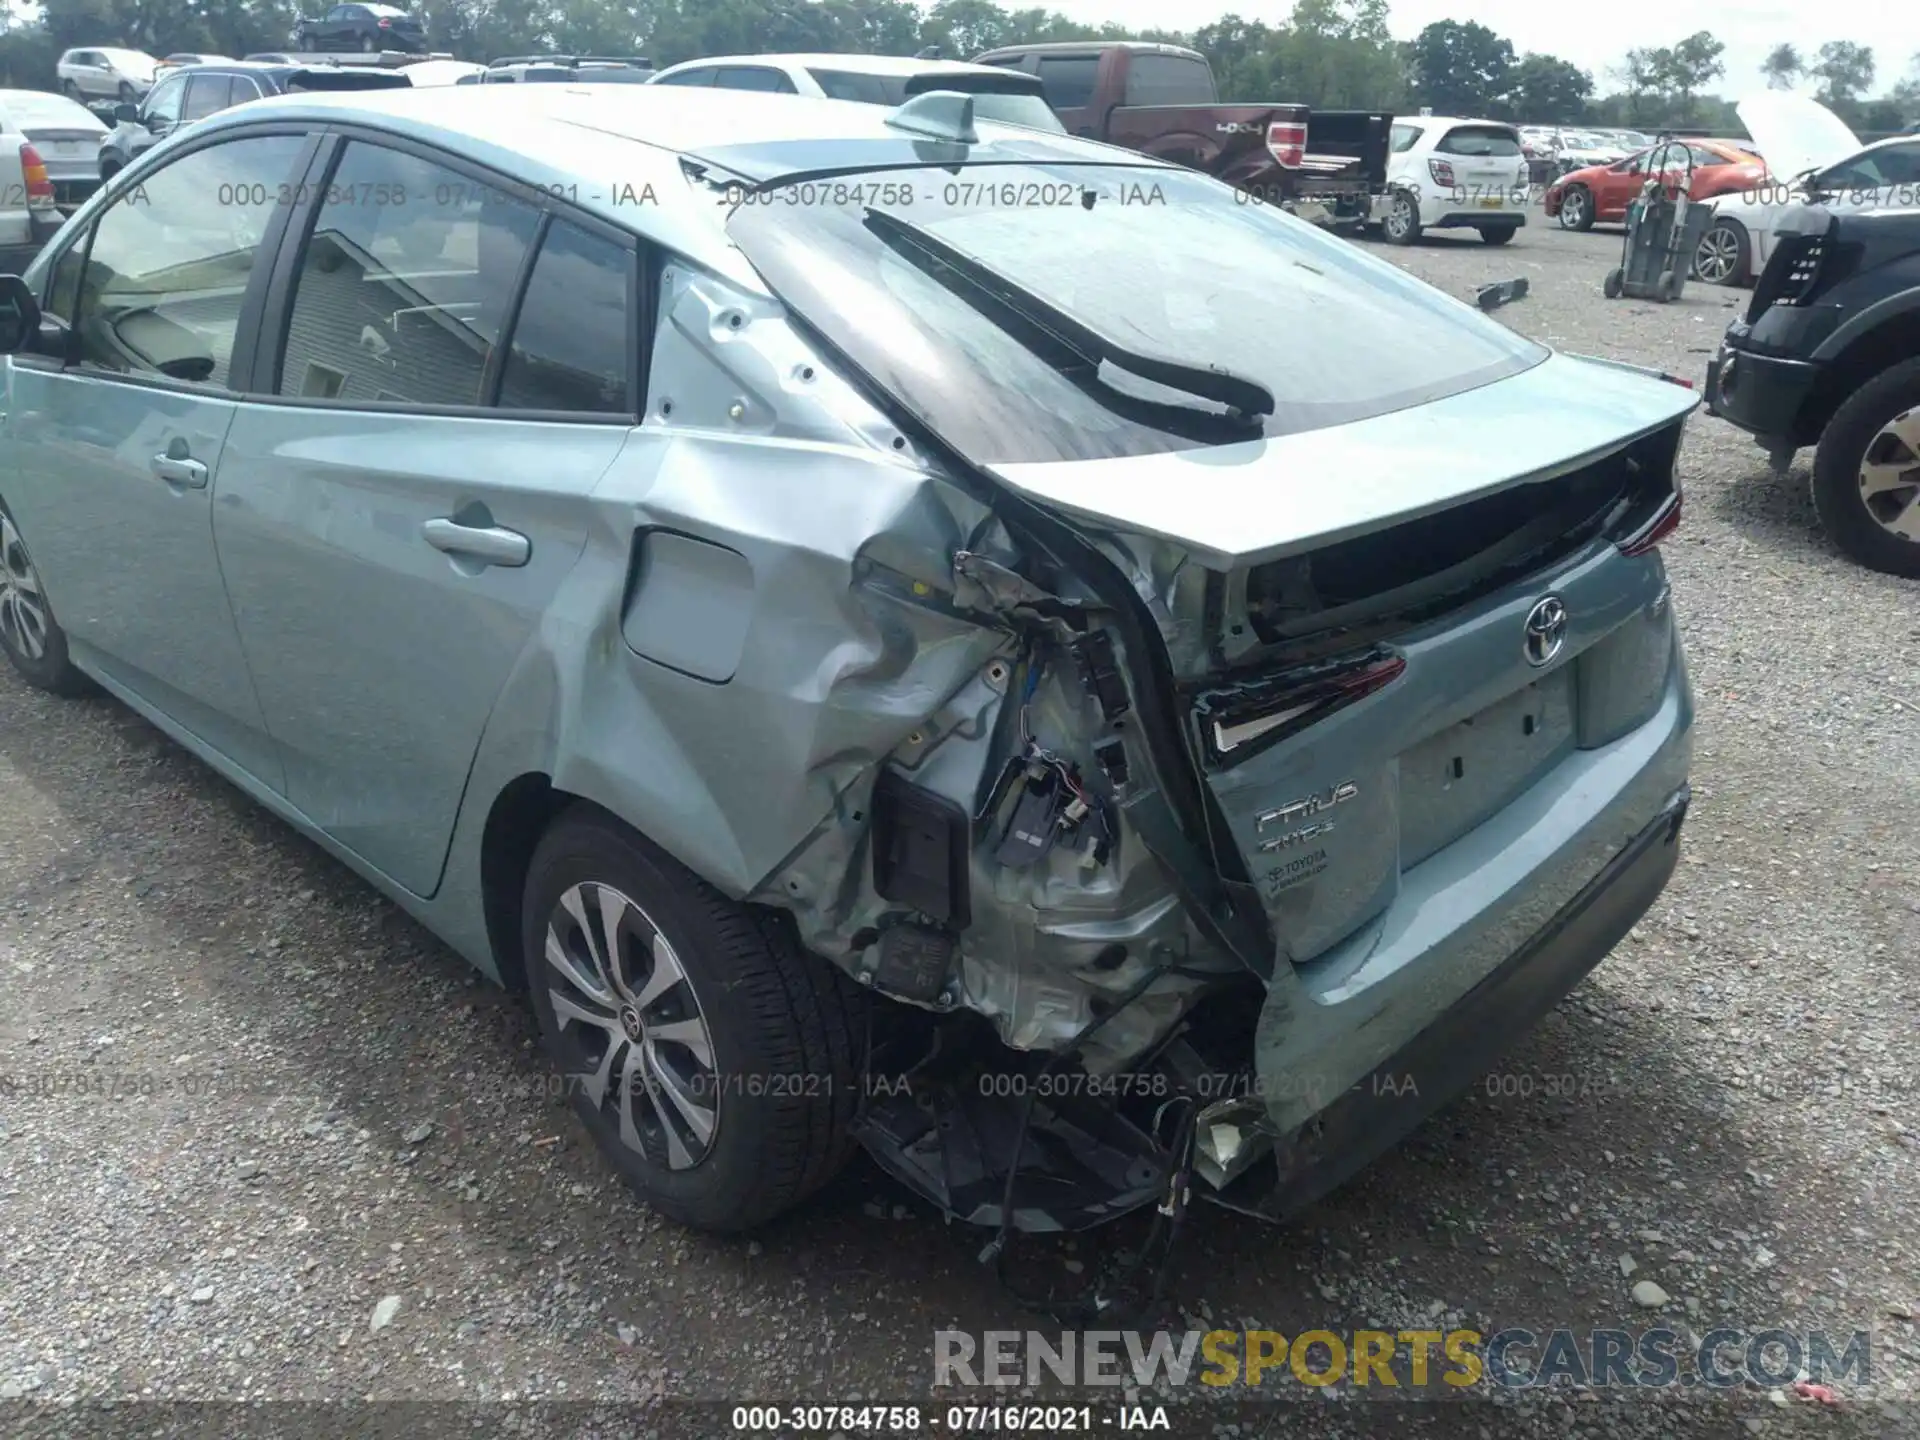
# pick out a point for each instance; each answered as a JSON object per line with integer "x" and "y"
{"x": 1305, "y": 808}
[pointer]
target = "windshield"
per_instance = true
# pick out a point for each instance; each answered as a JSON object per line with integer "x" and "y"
{"x": 1163, "y": 263}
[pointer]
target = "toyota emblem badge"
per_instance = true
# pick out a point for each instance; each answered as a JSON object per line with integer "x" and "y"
{"x": 1546, "y": 630}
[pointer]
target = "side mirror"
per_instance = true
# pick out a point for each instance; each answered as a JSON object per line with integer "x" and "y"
{"x": 19, "y": 315}
{"x": 125, "y": 114}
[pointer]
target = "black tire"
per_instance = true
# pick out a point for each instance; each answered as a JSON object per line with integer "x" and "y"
{"x": 781, "y": 1026}
{"x": 1668, "y": 287}
{"x": 125, "y": 93}
{"x": 1726, "y": 244}
{"x": 1576, "y": 208}
{"x": 49, "y": 669}
{"x": 108, "y": 169}
{"x": 70, "y": 90}
{"x": 1402, "y": 225}
{"x": 1498, "y": 234}
{"x": 1852, "y": 435}
{"x": 1615, "y": 283}
{"x": 368, "y": 45}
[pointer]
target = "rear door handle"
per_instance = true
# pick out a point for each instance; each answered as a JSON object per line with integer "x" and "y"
{"x": 489, "y": 544}
{"x": 180, "y": 470}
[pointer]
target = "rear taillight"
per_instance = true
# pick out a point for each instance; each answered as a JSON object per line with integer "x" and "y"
{"x": 33, "y": 170}
{"x": 1287, "y": 143}
{"x": 1442, "y": 172}
{"x": 1661, "y": 524}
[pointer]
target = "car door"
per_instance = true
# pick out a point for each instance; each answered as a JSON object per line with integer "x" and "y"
{"x": 118, "y": 436}
{"x": 391, "y": 536}
{"x": 1615, "y": 187}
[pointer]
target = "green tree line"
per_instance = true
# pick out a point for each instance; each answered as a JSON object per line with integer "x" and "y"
{"x": 1328, "y": 53}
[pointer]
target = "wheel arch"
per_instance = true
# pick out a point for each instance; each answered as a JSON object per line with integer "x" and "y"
{"x": 1849, "y": 360}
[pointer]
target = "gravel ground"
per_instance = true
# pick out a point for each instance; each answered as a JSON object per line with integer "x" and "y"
{"x": 319, "y": 1107}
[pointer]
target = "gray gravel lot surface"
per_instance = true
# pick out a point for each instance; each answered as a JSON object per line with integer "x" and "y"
{"x": 319, "y": 1108}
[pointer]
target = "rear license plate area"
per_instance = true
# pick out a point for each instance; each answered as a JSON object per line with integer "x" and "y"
{"x": 1465, "y": 774}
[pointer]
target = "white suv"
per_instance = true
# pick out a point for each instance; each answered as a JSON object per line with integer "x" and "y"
{"x": 106, "y": 73}
{"x": 999, "y": 94}
{"x": 1444, "y": 173}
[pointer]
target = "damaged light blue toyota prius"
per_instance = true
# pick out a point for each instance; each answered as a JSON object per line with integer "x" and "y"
{"x": 893, "y": 631}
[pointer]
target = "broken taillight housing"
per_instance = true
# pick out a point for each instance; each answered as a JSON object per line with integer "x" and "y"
{"x": 33, "y": 170}
{"x": 1234, "y": 721}
{"x": 1442, "y": 172}
{"x": 1662, "y": 523}
{"x": 1287, "y": 143}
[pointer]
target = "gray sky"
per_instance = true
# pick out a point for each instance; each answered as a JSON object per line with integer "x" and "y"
{"x": 1594, "y": 37}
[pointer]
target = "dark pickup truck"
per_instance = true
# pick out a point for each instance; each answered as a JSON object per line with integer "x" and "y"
{"x": 1161, "y": 99}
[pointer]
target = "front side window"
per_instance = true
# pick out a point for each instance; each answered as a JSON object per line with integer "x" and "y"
{"x": 206, "y": 95}
{"x": 403, "y": 284}
{"x": 1162, "y": 263}
{"x": 166, "y": 100}
{"x": 167, "y": 275}
{"x": 575, "y": 333}
{"x": 1068, "y": 79}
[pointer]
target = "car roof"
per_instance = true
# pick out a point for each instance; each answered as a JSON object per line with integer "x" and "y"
{"x": 851, "y": 64}
{"x": 570, "y": 138}
{"x": 1426, "y": 120}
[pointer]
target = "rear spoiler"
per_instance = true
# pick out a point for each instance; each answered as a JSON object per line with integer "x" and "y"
{"x": 569, "y": 62}
{"x": 314, "y": 77}
{"x": 1008, "y": 82}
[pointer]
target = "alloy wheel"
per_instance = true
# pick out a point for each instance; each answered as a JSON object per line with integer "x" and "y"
{"x": 1718, "y": 255}
{"x": 635, "y": 1036}
{"x": 1400, "y": 217}
{"x": 1890, "y": 476}
{"x": 23, "y": 608}
{"x": 1573, "y": 209}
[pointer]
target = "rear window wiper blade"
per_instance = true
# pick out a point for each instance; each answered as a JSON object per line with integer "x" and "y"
{"x": 1209, "y": 382}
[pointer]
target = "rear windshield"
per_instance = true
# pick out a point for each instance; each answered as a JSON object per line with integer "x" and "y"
{"x": 1481, "y": 140}
{"x": 1169, "y": 80}
{"x": 26, "y": 108}
{"x": 1165, "y": 263}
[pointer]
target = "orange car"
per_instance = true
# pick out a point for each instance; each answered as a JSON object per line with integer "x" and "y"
{"x": 1603, "y": 192}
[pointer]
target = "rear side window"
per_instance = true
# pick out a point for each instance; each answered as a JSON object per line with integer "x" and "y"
{"x": 1480, "y": 141}
{"x": 1402, "y": 138}
{"x": 1166, "y": 263}
{"x": 864, "y": 89}
{"x": 206, "y": 94}
{"x": 702, "y": 76}
{"x": 404, "y": 283}
{"x": 1169, "y": 80}
{"x": 574, "y": 337}
{"x": 1068, "y": 79}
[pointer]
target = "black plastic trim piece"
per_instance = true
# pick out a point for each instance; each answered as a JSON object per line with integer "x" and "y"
{"x": 921, "y": 844}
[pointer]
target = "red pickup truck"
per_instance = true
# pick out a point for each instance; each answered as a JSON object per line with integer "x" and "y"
{"x": 1161, "y": 100}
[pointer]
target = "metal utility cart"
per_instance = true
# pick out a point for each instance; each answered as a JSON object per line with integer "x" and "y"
{"x": 1664, "y": 228}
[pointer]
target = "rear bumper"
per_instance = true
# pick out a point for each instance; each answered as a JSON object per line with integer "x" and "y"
{"x": 1464, "y": 1041}
{"x": 1760, "y": 394}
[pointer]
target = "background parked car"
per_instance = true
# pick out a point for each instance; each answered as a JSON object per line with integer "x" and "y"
{"x": 1446, "y": 173}
{"x": 999, "y": 94}
{"x": 65, "y": 134}
{"x": 561, "y": 69}
{"x": 196, "y": 92}
{"x": 1602, "y": 193}
{"x": 366, "y": 28}
{"x": 113, "y": 73}
{"x": 1810, "y": 151}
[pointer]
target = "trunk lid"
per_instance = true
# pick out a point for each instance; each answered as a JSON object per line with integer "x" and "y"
{"x": 1795, "y": 134}
{"x": 1232, "y": 506}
